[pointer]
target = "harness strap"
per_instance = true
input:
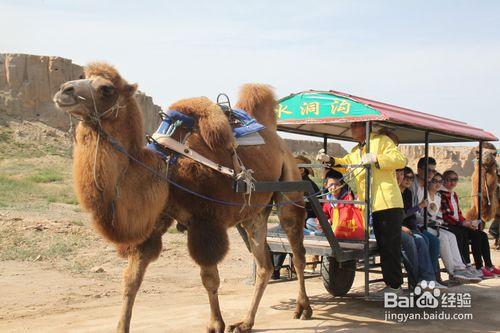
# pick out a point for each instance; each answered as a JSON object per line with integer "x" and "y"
{"x": 237, "y": 164}
{"x": 179, "y": 148}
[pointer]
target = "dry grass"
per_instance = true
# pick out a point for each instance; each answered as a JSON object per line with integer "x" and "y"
{"x": 36, "y": 172}
{"x": 40, "y": 241}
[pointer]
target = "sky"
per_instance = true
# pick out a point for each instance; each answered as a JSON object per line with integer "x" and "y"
{"x": 439, "y": 57}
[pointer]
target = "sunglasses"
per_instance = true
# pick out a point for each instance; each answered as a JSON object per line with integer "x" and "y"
{"x": 452, "y": 180}
{"x": 431, "y": 170}
{"x": 410, "y": 177}
{"x": 437, "y": 181}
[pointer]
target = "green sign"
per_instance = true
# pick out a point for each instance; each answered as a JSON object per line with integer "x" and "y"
{"x": 316, "y": 106}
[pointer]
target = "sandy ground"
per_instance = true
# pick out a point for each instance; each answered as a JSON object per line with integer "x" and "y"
{"x": 50, "y": 295}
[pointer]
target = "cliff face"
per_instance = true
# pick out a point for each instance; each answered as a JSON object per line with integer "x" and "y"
{"x": 28, "y": 83}
{"x": 457, "y": 158}
{"x": 311, "y": 148}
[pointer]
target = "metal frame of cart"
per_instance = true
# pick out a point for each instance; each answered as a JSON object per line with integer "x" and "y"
{"x": 328, "y": 114}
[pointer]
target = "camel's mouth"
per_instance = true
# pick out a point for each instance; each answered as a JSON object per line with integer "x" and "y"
{"x": 67, "y": 103}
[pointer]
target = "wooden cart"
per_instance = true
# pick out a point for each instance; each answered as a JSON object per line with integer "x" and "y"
{"x": 328, "y": 114}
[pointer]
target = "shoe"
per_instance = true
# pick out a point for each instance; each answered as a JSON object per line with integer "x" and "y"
{"x": 463, "y": 276}
{"x": 438, "y": 285}
{"x": 379, "y": 295}
{"x": 276, "y": 275}
{"x": 474, "y": 272}
{"x": 486, "y": 273}
{"x": 494, "y": 270}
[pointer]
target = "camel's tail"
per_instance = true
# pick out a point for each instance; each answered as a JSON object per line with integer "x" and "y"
{"x": 259, "y": 101}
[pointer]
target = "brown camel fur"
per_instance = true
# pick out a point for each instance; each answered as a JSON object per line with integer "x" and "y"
{"x": 490, "y": 199}
{"x": 144, "y": 200}
{"x": 124, "y": 200}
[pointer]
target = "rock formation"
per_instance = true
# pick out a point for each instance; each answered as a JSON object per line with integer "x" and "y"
{"x": 457, "y": 158}
{"x": 311, "y": 148}
{"x": 28, "y": 83}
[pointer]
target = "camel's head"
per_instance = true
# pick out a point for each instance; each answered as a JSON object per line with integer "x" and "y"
{"x": 97, "y": 96}
{"x": 489, "y": 154}
{"x": 209, "y": 122}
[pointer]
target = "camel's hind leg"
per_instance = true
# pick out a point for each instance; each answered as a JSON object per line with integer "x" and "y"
{"x": 257, "y": 231}
{"x": 292, "y": 221}
{"x": 138, "y": 259}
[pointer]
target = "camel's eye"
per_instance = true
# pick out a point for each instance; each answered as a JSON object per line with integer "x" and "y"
{"x": 107, "y": 91}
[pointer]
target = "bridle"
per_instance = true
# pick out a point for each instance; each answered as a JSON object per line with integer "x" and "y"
{"x": 94, "y": 117}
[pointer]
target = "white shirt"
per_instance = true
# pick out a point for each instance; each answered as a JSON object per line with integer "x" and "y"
{"x": 434, "y": 207}
{"x": 420, "y": 193}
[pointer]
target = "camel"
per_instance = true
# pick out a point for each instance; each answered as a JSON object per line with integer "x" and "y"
{"x": 490, "y": 198}
{"x": 132, "y": 207}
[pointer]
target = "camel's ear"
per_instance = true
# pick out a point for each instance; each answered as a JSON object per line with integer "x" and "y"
{"x": 130, "y": 89}
{"x": 215, "y": 129}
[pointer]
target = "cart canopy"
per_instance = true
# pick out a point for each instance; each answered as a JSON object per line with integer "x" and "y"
{"x": 329, "y": 113}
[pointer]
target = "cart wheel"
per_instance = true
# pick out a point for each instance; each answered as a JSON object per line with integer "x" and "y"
{"x": 338, "y": 278}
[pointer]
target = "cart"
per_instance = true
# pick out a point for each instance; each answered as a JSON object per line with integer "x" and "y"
{"x": 328, "y": 114}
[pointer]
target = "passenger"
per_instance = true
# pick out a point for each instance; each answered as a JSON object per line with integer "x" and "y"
{"x": 448, "y": 246}
{"x": 387, "y": 203}
{"x": 417, "y": 191}
{"x": 422, "y": 265}
{"x": 339, "y": 213}
{"x": 453, "y": 218}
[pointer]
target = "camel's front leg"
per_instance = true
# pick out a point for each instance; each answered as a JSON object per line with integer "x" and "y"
{"x": 138, "y": 259}
{"x": 211, "y": 281}
{"x": 257, "y": 232}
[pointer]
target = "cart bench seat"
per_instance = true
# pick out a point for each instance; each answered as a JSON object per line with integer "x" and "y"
{"x": 318, "y": 245}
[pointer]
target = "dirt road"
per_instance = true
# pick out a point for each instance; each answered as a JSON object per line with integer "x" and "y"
{"x": 65, "y": 294}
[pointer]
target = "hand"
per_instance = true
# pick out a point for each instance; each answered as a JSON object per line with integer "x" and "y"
{"x": 406, "y": 230}
{"x": 369, "y": 158}
{"x": 424, "y": 203}
{"x": 322, "y": 157}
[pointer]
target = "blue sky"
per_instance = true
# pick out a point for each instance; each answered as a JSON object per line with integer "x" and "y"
{"x": 440, "y": 57}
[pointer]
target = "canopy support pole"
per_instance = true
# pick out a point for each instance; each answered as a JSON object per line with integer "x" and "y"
{"x": 368, "y": 208}
{"x": 479, "y": 182}
{"x": 426, "y": 175}
{"x": 325, "y": 144}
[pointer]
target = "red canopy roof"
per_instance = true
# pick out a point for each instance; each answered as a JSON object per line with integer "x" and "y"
{"x": 398, "y": 114}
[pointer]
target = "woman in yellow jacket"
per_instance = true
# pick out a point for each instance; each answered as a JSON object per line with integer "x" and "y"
{"x": 387, "y": 203}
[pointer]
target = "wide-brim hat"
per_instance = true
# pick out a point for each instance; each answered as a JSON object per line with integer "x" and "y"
{"x": 301, "y": 159}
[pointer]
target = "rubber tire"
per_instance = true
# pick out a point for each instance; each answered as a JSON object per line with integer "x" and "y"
{"x": 338, "y": 279}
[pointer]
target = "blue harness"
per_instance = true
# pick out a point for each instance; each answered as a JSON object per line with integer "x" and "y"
{"x": 170, "y": 121}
